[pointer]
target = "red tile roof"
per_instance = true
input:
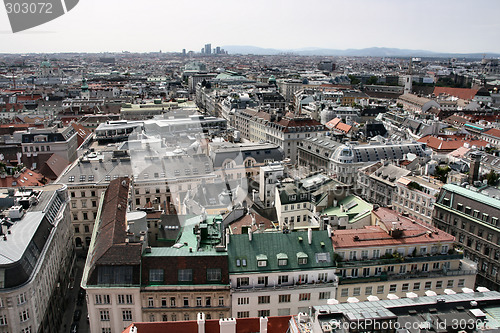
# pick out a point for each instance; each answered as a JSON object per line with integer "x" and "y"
{"x": 332, "y": 123}
{"x": 370, "y": 236}
{"x": 25, "y": 178}
{"x": 493, "y": 132}
{"x": 247, "y": 221}
{"x": 343, "y": 127}
{"x": 448, "y": 143}
{"x": 463, "y": 93}
{"x": 243, "y": 325}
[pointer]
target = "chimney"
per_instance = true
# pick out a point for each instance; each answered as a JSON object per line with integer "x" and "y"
{"x": 329, "y": 228}
{"x": 201, "y": 322}
{"x": 263, "y": 324}
{"x": 227, "y": 325}
{"x": 250, "y": 234}
{"x": 309, "y": 235}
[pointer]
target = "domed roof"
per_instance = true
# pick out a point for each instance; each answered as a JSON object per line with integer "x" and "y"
{"x": 272, "y": 79}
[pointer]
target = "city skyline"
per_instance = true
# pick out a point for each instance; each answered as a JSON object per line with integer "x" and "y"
{"x": 446, "y": 26}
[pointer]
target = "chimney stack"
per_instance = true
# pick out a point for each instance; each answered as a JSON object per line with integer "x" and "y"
{"x": 474, "y": 167}
{"x": 263, "y": 324}
{"x": 250, "y": 235}
{"x": 309, "y": 235}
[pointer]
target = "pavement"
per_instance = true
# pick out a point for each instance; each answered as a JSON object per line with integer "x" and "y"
{"x": 71, "y": 301}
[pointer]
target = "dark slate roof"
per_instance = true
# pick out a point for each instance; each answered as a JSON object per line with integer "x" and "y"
{"x": 276, "y": 243}
{"x": 239, "y": 152}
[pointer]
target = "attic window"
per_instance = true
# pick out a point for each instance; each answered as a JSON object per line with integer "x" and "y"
{"x": 261, "y": 260}
{"x": 322, "y": 257}
{"x": 71, "y": 178}
{"x": 302, "y": 258}
{"x": 282, "y": 259}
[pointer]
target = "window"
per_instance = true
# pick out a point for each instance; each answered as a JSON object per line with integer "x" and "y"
{"x": 428, "y": 285}
{"x": 393, "y": 288}
{"x": 102, "y": 299}
{"x": 172, "y": 302}
{"x": 198, "y": 301}
{"x": 324, "y": 295}
{"x": 127, "y": 315}
{"x": 356, "y": 291}
{"x": 263, "y": 313}
{"x": 3, "y": 320}
{"x": 322, "y": 257}
{"x": 282, "y": 279}
{"x": 322, "y": 277}
{"x": 242, "y": 300}
{"x": 151, "y": 302}
{"x": 416, "y": 286}
{"x": 121, "y": 299}
{"x": 163, "y": 302}
{"x": 186, "y": 316}
{"x": 282, "y": 262}
{"x": 26, "y": 330}
{"x": 368, "y": 290}
{"x": 264, "y": 299}
{"x": 439, "y": 284}
{"x": 243, "y": 314}
{"x": 405, "y": 287}
{"x": 208, "y": 301}
{"x": 344, "y": 292}
{"x": 221, "y": 300}
{"x": 380, "y": 289}
{"x": 71, "y": 179}
{"x": 21, "y": 299}
{"x": 186, "y": 301}
{"x": 104, "y": 315}
{"x": 214, "y": 274}
{"x": 461, "y": 283}
{"x": 262, "y": 280}
{"x": 185, "y": 275}
{"x": 24, "y": 315}
{"x": 156, "y": 275}
{"x": 243, "y": 281}
{"x": 450, "y": 284}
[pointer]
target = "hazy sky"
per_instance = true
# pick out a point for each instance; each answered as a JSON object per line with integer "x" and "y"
{"x": 152, "y": 25}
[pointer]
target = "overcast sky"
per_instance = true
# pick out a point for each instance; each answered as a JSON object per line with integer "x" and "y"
{"x": 153, "y": 25}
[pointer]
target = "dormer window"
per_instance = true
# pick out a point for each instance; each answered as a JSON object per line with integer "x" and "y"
{"x": 302, "y": 258}
{"x": 261, "y": 260}
{"x": 282, "y": 259}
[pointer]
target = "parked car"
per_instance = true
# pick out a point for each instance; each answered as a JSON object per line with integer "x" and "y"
{"x": 77, "y": 315}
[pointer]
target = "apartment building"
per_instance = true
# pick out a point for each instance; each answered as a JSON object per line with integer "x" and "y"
{"x": 471, "y": 214}
{"x": 278, "y": 274}
{"x": 37, "y": 256}
{"x": 347, "y": 159}
{"x": 160, "y": 177}
{"x": 377, "y": 182}
{"x": 47, "y": 141}
{"x": 397, "y": 255}
{"x": 415, "y": 196}
{"x": 299, "y": 202}
{"x": 127, "y": 281}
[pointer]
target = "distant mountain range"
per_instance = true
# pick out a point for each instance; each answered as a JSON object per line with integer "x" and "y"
{"x": 367, "y": 52}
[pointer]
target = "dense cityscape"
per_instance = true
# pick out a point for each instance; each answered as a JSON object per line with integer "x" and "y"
{"x": 207, "y": 191}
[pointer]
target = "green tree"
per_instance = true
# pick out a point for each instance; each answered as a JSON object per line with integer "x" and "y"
{"x": 353, "y": 79}
{"x": 372, "y": 80}
{"x": 492, "y": 177}
{"x": 442, "y": 173}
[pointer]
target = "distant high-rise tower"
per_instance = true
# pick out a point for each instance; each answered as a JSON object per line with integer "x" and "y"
{"x": 208, "y": 48}
{"x": 409, "y": 79}
{"x": 217, "y": 50}
{"x": 183, "y": 52}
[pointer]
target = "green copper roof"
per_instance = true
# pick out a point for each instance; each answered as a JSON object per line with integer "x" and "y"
{"x": 351, "y": 206}
{"x": 244, "y": 253}
{"x": 478, "y": 196}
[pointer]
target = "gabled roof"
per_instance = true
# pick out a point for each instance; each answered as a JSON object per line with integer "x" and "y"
{"x": 493, "y": 132}
{"x": 110, "y": 245}
{"x": 463, "y": 93}
{"x": 273, "y": 243}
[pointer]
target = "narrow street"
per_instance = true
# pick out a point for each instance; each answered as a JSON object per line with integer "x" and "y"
{"x": 73, "y": 305}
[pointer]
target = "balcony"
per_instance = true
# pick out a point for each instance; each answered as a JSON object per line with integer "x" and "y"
{"x": 363, "y": 279}
{"x": 431, "y": 274}
{"x": 292, "y": 286}
{"x": 399, "y": 260}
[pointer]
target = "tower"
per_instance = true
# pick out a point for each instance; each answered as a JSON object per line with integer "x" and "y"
{"x": 474, "y": 167}
{"x": 85, "y": 93}
{"x": 409, "y": 79}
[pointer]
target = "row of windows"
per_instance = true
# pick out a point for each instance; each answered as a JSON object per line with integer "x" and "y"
{"x": 365, "y": 254}
{"x": 172, "y": 302}
{"x": 121, "y": 299}
{"x": 284, "y": 298}
{"x": 282, "y": 279}
{"x": 173, "y": 317}
{"x": 185, "y": 275}
{"x": 403, "y": 269}
{"x": 405, "y": 287}
{"x": 37, "y": 148}
{"x": 474, "y": 213}
{"x": 126, "y": 315}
